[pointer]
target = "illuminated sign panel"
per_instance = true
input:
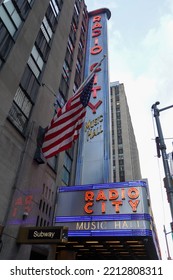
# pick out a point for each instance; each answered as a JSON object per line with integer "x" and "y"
{"x": 94, "y": 143}
{"x": 107, "y": 208}
{"x": 42, "y": 235}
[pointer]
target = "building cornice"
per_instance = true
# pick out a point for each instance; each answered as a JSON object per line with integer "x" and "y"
{"x": 100, "y": 11}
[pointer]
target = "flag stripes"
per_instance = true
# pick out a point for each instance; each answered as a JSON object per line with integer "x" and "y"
{"x": 64, "y": 127}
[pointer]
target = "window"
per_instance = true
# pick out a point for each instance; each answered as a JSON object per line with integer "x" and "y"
{"x": 78, "y": 66}
{"x": 60, "y": 101}
{"x": 120, "y": 141}
{"x": 114, "y": 175}
{"x": 20, "y": 110}
{"x": 29, "y": 83}
{"x": 121, "y": 161}
{"x": 24, "y": 7}
{"x": 118, "y": 115}
{"x": 10, "y": 16}
{"x": 66, "y": 71}
{"x": 6, "y": 42}
{"x": 81, "y": 47}
{"x": 54, "y": 6}
{"x": 52, "y": 14}
{"x": 83, "y": 28}
{"x": 118, "y": 123}
{"x": 76, "y": 9}
{"x": 75, "y": 87}
{"x": 74, "y": 26}
{"x": 42, "y": 46}
{"x": 46, "y": 29}
{"x": 66, "y": 169}
{"x": 35, "y": 62}
{"x": 120, "y": 151}
{"x": 70, "y": 46}
{"x": 52, "y": 162}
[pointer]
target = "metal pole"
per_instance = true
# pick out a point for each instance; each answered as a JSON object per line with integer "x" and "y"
{"x": 164, "y": 229}
{"x": 162, "y": 147}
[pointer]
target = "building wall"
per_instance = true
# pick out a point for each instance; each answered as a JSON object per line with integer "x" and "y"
{"x": 28, "y": 189}
{"x": 126, "y": 164}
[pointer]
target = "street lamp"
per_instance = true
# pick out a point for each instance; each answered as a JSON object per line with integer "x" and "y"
{"x": 162, "y": 147}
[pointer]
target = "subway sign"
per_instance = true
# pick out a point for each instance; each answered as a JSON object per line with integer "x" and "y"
{"x": 42, "y": 235}
{"x": 93, "y": 161}
{"x": 104, "y": 209}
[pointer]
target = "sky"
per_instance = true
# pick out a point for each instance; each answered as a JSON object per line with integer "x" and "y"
{"x": 140, "y": 38}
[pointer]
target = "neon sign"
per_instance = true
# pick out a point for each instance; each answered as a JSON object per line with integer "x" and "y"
{"x": 22, "y": 204}
{"x": 93, "y": 161}
{"x": 113, "y": 195}
{"x": 94, "y": 127}
{"x": 95, "y": 50}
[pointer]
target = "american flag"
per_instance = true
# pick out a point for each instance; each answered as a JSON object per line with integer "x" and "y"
{"x": 64, "y": 127}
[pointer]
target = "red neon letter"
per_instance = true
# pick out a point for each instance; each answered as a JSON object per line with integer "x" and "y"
{"x": 101, "y": 196}
{"x": 133, "y": 193}
{"x": 117, "y": 205}
{"x": 94, "y": 65}
{"x": 96, "y": 33}
{"x": 134, "y": 204}
{"x": 96, "y": 50}
{"x": 89, "y": 195}
{"x": 96, "y": 25}
{"x": 87, "y": 205}
{"x": 97, "y": 18}
{"x": 113, "y": 194}
{"x": 94, "y": 107}
{"x": 94, "y": 90}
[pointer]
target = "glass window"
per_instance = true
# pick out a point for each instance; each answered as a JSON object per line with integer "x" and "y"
{"x": 70, "y": 46}
{"x": 66, "y": 71}
{"x": 52, "y": 162}
{"x": 46, "y": 29}
{"x": 10, "y": 16}
{"x": 81, "y": 45}
{"x": 76, "y": 9}
{"x": 20, "y": 110}
{"x": 7, "y": 21}
{"x": 35, "y": 62}
{"x": 54, "y": 7}
{"x": 6, "y": 42}
{"x": 83, "y": 28}
{"x": 33, "y": 67}
{"x": 23, "y": 102}
{"x": 74, "y": 26}
{"x": 65, "y": 176}
{"x": 67, "y": 162}
{"x": 78, "y": 66}
{"x": 75, "y": 87}
{"x": 37, "y": 57}
{"x": 66, "y": 169}
{"x": 120, "y": 140}
{"x": 60, "y": 101}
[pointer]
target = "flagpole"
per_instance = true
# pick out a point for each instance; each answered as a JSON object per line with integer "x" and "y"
{"x": 90, "y": 75}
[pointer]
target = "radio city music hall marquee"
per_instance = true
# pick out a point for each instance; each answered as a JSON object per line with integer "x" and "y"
{"x": 114, "y": 206}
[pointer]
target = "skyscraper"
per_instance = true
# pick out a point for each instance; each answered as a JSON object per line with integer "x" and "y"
{"x": 42, "y": 52}
{"x": 125, "y": 158}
